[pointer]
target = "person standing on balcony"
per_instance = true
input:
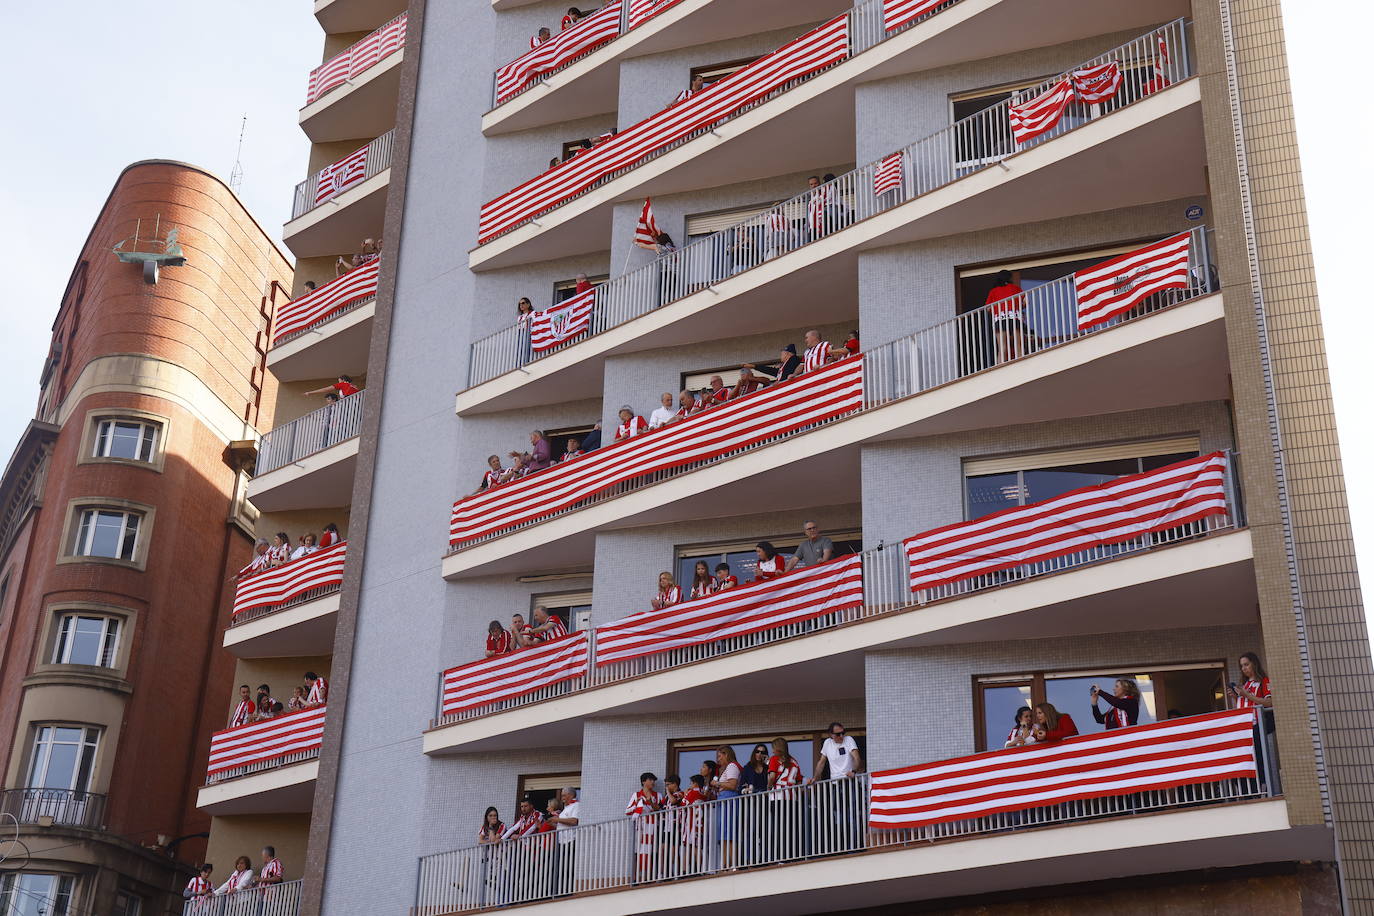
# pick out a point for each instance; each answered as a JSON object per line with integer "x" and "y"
{"x": 724, "y": 578}
{"x": 592, "y": 441}
{"x": 664, "y": 413}
{"x": 819, "y": 352}
{"x": 547, "y": 627}
{"x": 814, "y": 549}
{"x": 631, "y": 424}
{"x": 262, "y": 558}
{"x": 641, "y": 808}
{"x": 540, "y": 37}
{"x": 788, "y": 365}
{"x": 297, "y": 701}
{"x": 1124, "y": 702}
{"x": 784, "y": 772}
{"x": 572, "y": 450}
{"x": 271, "y": 871}
{"x": 571, "y": 18}
{"x": 265, "y": 703}
{"x": 319, "y": 689}
{"x": 519, "y": 631}
{"x": 243, "y": 711}
{"x": 306, "y": 548}
{"x": 240, "y": 880}
{"x": 200, "y": 888}
{"x": 687, "y": 404}
{"x": 1022, "y": 731}
{"x": 280, "y": 551}
{"x": 726, "y": 786}
{"x": 1255, "y": 691}
{"x": 698, "y": 83}
{"x": 527, "y": 824}
{"x": 703, "y": 583}
{"x": 1005, "y": 303}
{"x": 492, "y": 829}
{"x": 841, "y": 761}
{"x": 748, "y": 383}
{"x": 540, "y": 455}
{"x": 669, "y": 592}
{"x": 330, "y": 536}
{"x": 343, "y": 387}
{"x": 851, "y": 343}
{"x": 495, "y": 474}
{"x": 771, "y": 564}
{"x": 566, "y": 847}
{"x": 499, "y": 641}
{"x": 718, "y": 393}
{"x": 369, "y": 251}
{"x": 582, "y": 284}
{"x": 1056, "y": 725}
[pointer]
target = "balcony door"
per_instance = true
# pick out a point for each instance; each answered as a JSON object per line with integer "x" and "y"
{"x": 60, "y": 772}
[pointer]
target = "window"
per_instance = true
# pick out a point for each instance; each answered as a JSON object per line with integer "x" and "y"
{"x": 703, "y": 224}
{"x": 86, "y": 640}
{"x": 106, "y": 533}
{"x": 700, "y": 380}
{"x": 541, "y": 788}
{"x": 570, "y": 606}
{"x": 742, "y": 559}
{"x": 24, "y": 894}
{"x": 132, "y": 440}
{"x": 564, "y": 290}
{"x": 685, "y": 756}
{"x": 714, "y": 73}
{"x": 1166, "y": 692}
{"x": 63, "y": 757}
{"x": 558, "y": 438}
{"x": 128, "y": 904}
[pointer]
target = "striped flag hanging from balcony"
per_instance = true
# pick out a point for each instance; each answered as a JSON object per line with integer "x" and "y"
{"x": 1107, "y": 513}
{"x": 801, "y": 595}
{"x": 1143, "y": 758}
{"x": 641, "y": 11}
{"x": 821, "y": 47}
{"x": 646, "y": 230}
{"x": 567, "y": 45}
{"x": 1097, "y": 83}
{"x": 342, "y": 175}
{"x": 1108, "y": 289}
{"x": 562, "y": 322}
{"x": 280, "y": 584}
{"x": 1039, "y": 115}
{"x": 341, "y": 68}
{"x": 504, "y": 677}
{"x": 889, "y": 174}
{"x": 358, "y": 285}
{"x": 775, "y": 411}
{"x": 897, "y": 13}
{"x": 262, "y": 743}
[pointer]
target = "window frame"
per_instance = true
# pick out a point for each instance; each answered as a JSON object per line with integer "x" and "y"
{"x": 566, "y": 779}
{"x": 90, "y": 520}
{"x": 36, "y": 730}
{"x": 71, "y": 531}
{"x": 65, "y": 887}
{"x": 110, "y": 633}
{"x": 96, "y": 418}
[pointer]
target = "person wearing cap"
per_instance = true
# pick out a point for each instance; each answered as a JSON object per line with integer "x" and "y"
{"x": 631, "y": 424}
{"x": 788, "y": 364}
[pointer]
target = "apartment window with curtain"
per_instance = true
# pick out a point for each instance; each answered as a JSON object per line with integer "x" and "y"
{"x": 86, "y": 639}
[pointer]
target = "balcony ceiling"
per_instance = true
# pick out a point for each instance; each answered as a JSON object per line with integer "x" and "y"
{"x": 338, "y": 226}
{"x": 304, "y": 630}
{"x": 318, "y": 481}
{"x": 339, "y": 346}
{"x": 336, "y": 16}
{"x": 284, "y": 790}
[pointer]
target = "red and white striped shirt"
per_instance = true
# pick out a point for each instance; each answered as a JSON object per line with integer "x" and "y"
{"x": 670, "y": 597}
{"x": 492, "y": 478}
{"x": 500, "y": 643}
{"x": 556, "y": 630}
{"x": 771, "y": 569}
{"x": 644, "y": 802}
{"x": 634, "y": 427}
{"x": 199, "y": 887}
{"x": 328, "y": 539}
{"x": 242, "y": 713}
{"x": 319, "y": 693}
{"x": 703, "y": 589}
{"x": 535, "y": 41}
{"x": 271, "y": 871}
{"x": 1259, "y": 688}
{"x": 816, "y": 356}
{"x": 727, "y": 582}
{"x": 569, "y": 456}
{"x": 525, "y": 826}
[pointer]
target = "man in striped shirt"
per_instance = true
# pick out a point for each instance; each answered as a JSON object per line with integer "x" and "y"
{"x": 819, "y": 352}
{"x": 271, "y": 872}
{"x": 319, "y": 689}
{"x": 547, "y": 627}
{"x": 528, "y": 823}
{"x": 199, "y": 888}
{"x": 245, "y": 708}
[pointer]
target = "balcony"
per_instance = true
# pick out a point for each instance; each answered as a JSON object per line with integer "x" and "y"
{"x": 341, "y": 204}
{"x": 339, "y": 16}
{"x": 832, "y": 843}
{"x": 779, "y": 270}
{"x": 288, "y": 610}
{"x": 328, "y": 331}
{"x": 353, "y": 94}
{"x": 746, "y": 637}
{"x": 939, "y": 380}
{"x": 53, "y": 807}
{"x": 309, "y": 462}
{"x": 266, "y": 767}
{"x": 576, "y": 73}
{"x": 751, "y": 124}
{"x": 278, "y": 900}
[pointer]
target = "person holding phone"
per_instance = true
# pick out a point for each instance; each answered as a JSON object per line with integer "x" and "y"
{"x": 1255, "y": 691}
{"x": 1124, "y": 701}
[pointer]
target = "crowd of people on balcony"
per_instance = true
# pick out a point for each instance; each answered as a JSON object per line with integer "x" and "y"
{"x": 545, "y": 626}
{"x": 368, "y": 251}
{"x": 279, "y": 550}
{"x": 250, "y": 708}
{"x": 201, "y": 888}
{"x": 571, "y": 18}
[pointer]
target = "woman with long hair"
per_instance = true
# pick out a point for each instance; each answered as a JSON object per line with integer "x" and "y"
{"x": 492, "y": 828}
{"x": 771, "y": 564}
{"x": 703, "y": 583}
{"x": 1022, "y": 731}
{"x": 786, "y": 830}
{"x": 1055, "y": 725}
{"x": 1124, "y": 702}
{"x": 726, "y": 784}
{"x": 1255, "y": 691}
{"x": 669, "y": 592}
{"x": 280, "y": 551}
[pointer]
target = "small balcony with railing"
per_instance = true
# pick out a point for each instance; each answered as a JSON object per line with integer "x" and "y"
{"x": 288, "y": 610}
{"x": 1140, "y": 800}
{"x": 354, "y": 92}
{"x": 327, "y": 331}
{"x": 43, "y": 807}
{"x": 757, "y": 453}
{"x": 282, "y": 899}
{"x": 341, "y": 203}
{"x": 264, "y": 767}
{"x": 759, "y": 121}
{"x": 1171, "y": 543}
{"x": 338, "y": 17}
{"x": 782, "y": 266}
{"x": 308, "y": 463}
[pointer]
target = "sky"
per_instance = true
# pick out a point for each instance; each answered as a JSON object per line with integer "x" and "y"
{"x": 103, "y": 85}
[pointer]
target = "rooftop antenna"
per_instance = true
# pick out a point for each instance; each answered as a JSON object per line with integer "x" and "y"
{"x": 236, "y": 173}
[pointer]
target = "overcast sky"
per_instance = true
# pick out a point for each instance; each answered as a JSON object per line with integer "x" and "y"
{"x": 96, "y": 86}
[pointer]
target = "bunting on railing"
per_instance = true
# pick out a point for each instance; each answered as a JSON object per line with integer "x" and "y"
{"x": 828, "y": 44}
{"x": 1108, "y": 289}
{"x": 897, "y": 13}
{"x": 796, "y": 597}
{"x": 505, "y": 677}
{"x": 587, "y": 35}
{"x": 280, "y": 584}
{"x": 1095, "y": 516}
{"x": 562, "y": 322}
{"x": 1097, "y": 83}
{"x": 776, "y": 411}
{"x": 1040, "y": 114}
{"x": 342, "y": 175}
{"x": 1143, "y": 758}
{"x": 341, "y": 68}
{"x": 266, "y": 741}
{"x": 353, "y": 287}
{"x": 641, "y": 11}
{"x": 888, "y": 175}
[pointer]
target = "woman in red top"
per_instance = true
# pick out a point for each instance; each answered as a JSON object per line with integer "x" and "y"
{"x": 771, "y": 564}
{"x": 1057, "y": 725}
{"x": 1005, "y": 302}
{"x": 1255, "y": 691}
{"x": 703, "y": 583}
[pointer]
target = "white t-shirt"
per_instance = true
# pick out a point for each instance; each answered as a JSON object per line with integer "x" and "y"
{"x": 661, "y": 417}
{"x": 572, "y": 810}
{"x": 837, "y": 756}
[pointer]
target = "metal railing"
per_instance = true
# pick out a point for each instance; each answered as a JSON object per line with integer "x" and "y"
{"x": 821, "y": 820}
{"x": 314, "y": 432}
{"x": 376, "y": 46}
{"x": 887, "y": 590}
{"x": 65, "y": 807}
{"x": 969, "y": 145}
{"x": 378, "y": 161}
{"x": 264, "y": 900}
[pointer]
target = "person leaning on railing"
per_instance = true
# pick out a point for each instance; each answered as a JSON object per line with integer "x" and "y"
{"x": 546, "y": 628}
{"x": 771, "y": 564}
{"x": 499, "y": 640}
{"x": 200, "y": 887}
{"x": 271, "y": 871}
{"x": 669, "y": 592}
{"x": 1053, "y": 725}
{"x": 492, "y": 828}
{"x": 241, "y": 878}
{"x": 1022, "y": 729}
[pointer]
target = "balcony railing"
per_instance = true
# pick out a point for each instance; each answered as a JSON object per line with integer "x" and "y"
{"x": 958, "y": 348}
{"x": 969, "y": 145}
{"x": 350, "y": 171}
{"x": 268, "y": 900}
{"x": 266, "y": 745}
{"x": 887, "y": 589}
{"x": 62, "y": 807}
{"x": 357, "y": 57}
{"x": 785, "y": 826}
{"x": 293, "y": 583}
{"x": 338, "y": 297}
{"x": 314, "y": 432}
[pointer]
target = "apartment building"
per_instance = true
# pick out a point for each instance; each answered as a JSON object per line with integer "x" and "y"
{"x": 124, "y": 512}
{"x": 1063, "y": 417}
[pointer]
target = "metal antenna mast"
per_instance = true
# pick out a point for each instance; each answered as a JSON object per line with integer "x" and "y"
{"x": 236, "y": 174}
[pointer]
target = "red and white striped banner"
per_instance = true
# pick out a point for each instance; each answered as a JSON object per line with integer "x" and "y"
{"x": 641, "y": 11}
{"x": 358, "y": 285}
{"x": 889, "y": 174}
{"x": 341, "y": 68}
{"x": 897, "y": 13}
{"x": 801, "y": 595}
{"x": 646, "y": 230}
{"x": 1108, "y": 513}
{"x": 263, "y": 742}
{"x": 1106, "y": 290}
{"x": 816, "y": 50}
{"x": 562, "y": 322}
{"x": 568, "y": 44}
{"x": 777, "y": 410}
{"x": 1143, "y": 758}
{"x": 342, "y": 175}
{"x": 280, "y": 584}
{"x": 503, "y": 677}
{"x": 1097, "y": 83}
{"x": 1039, "y": 115}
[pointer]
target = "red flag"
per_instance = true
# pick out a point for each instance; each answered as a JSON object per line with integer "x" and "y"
{"x": 1106, "y": 290}
{"x": 888, "y": 175}
{"x": 342, "y": 175}
{"x": 1039, "y": 115}
{"x": 1097, "y": 83}
{"x": 646, "y": 232}
{"x": 562, "y": 322}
